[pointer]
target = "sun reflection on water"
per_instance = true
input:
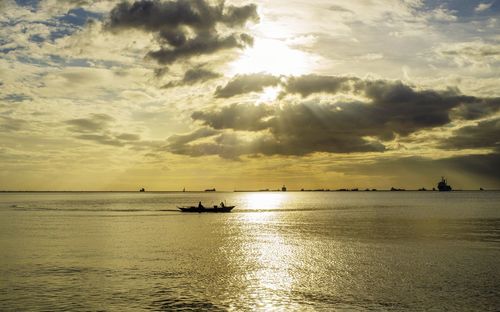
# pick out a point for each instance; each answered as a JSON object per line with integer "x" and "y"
{"x": 264, "y": 200}
{"x": 271, "y": 253}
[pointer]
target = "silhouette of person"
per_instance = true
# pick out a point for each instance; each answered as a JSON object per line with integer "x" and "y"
{"x": 200, "y": 205}
{"x": 222, "y": 204}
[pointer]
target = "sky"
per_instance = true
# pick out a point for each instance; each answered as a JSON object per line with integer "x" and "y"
{"x": 166, "y": 95}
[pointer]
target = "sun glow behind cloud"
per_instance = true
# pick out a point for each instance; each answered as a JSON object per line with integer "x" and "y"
{"x": 271, "y": 56}
{"x": 269, "y": 94}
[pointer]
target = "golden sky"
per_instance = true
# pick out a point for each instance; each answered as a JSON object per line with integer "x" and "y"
{"x": 166, "y": 95}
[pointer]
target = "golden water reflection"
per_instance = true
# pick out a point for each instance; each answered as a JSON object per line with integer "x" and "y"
{"x": 270, "y": 279}
{"x": 264, "y": 200}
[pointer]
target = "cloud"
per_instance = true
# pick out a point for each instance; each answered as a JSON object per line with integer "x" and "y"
{"x": 95, "y": 122}
{"x": 96, "y": 128}
{"x": 475, "y": 108}
{"x": 179, "y": 144}
{"x": 242, "y": 84}
{"x": 470, "y": 53}
{"x": 371, "y": 113}
{"x": 408, "y": 108}
{"x": 485, "y": 134}
{"x": 193, "y": 76}
{"x": 483, "y": 7}
{"x": 104, "y": 139}
{"x": 441, "y": 14}
{"x": 309, "y": 84}
{"x": 338, "y": 8}
{"x": 178, "y": 139}
{"x": 16, "y": 97}
{"x": 290, "y": 130}
{"x": 9, "y": 124}
{"x": 247, "y": 117}
{"x": 128, "y": 137}
{"x": 184, "y": 29}
{"x": 196, "y": 75}
{"x": 203, "y": 44}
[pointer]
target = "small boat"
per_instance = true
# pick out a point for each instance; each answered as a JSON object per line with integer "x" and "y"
{"x": 215, "y": 208}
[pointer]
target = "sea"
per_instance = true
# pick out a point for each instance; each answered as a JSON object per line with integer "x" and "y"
{"x": 276, "y": 251}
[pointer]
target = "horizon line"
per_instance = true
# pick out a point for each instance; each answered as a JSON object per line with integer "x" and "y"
{"x": 245, "y": 191}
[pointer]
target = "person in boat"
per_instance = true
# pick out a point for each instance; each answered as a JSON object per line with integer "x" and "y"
{"x": 200, "y": 205}
{"x": 222, "y": 204}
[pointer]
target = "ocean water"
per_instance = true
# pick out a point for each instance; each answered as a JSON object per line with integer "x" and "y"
{"x": 277, "y": 251}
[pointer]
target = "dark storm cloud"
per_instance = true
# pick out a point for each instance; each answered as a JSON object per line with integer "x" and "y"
{"x": 231, "y": 145}
{"x": 403, "y": 110}
{"x": 193, "y": 76}
{"x": 409, "y": 108}
{"x": 170, "y": 15}
{"x": 179, "y": 144}
{"x": 229, "y": 149}
{"x": 242, "y": 84}
{"x": 96, "y": 128}
{"x": 198, "y": 75}
{"x": 486, "y": 134}
{"x": 228, "y": 145}
{"x": 475, "y": 108}
{"x": 238, "y": 117}
{"x": 184, "y": 28}
{"x": 385, "y": 109}
{"x": 203, "y": 44}
{"x": 309, "y": 84}
{"x": 290, "y": 130}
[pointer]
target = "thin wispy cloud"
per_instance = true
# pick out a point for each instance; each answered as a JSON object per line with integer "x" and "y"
{"x": 483, "y": 7}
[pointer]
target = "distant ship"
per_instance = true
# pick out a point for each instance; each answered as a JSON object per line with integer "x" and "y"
{"x": 210, "y": 190}
{"x": 142, "y": 190}
{"x": 443, "y": 186}
{"x": 283, "y": 189}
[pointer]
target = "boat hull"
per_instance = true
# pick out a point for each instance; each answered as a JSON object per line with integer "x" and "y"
{"x": 206, "y": 209}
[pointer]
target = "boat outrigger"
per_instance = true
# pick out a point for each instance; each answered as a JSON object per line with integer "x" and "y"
{"x": 200, "y": 208}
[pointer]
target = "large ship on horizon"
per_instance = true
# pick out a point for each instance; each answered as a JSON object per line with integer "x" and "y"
{"x": 443, "y": 186}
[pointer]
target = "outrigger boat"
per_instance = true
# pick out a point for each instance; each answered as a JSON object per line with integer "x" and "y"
{"x": 201, "y": 208}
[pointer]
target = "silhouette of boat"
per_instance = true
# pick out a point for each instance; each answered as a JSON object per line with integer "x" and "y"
{"x": 142, "y": 190}
{"x": 215, "y": 208}
{"x": 443, "y": 186}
